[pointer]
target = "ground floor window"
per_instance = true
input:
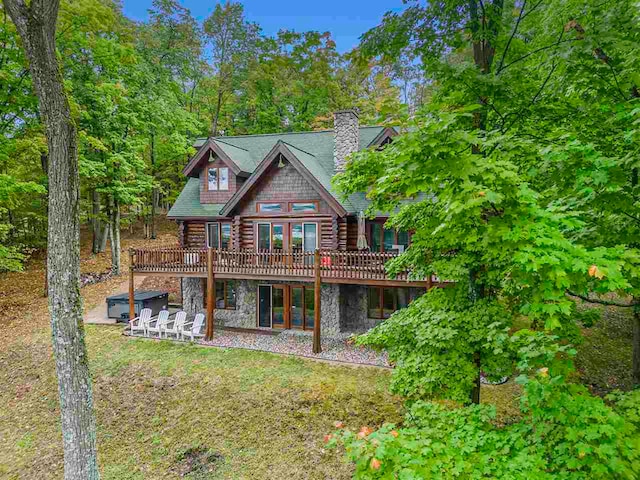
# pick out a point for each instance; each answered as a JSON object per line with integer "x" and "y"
{"x": 383, "y": 301}
{"x": 286, "y": 306}
{"x": 218, "y": 235}
{"x": 225, "y": 294}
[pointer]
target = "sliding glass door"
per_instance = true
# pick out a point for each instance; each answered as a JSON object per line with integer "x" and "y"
{"x": 286, "y": 306}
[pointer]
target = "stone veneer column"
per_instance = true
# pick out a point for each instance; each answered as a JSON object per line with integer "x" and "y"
{"x": 346, "y": 128}
{"x": 192, "y": 296}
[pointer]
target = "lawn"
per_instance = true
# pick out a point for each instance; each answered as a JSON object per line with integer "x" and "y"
{"x": 256, "y": 415}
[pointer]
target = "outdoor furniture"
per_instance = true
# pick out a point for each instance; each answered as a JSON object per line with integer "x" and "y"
{"x": 174, "y": 327}
{"x": 141, "y": 323}
{"x": 157, "y": 324}
{"x": 193, "y": 329}
{"x": 118, "y": 305}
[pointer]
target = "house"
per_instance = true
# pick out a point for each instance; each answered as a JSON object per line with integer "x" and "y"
{"x": 259, "y": 218}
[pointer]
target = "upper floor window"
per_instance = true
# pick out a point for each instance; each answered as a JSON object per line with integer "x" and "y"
{"x": 267, "y": 207}
{"x": 387, "y": 240}
{"x": 294, "y": 207}
{"x": 304, "y": 206}
{"x": 218, "y": 178}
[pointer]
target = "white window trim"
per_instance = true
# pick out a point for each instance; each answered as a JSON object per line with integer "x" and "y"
{"x": 218, "y": 189}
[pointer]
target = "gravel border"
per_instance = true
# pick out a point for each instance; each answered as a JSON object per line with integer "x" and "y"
{"x": 299, "y": 344}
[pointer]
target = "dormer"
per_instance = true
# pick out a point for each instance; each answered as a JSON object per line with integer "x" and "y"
{"x": 219, "y": 175}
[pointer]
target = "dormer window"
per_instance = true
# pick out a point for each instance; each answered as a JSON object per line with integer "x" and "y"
{"x": 218, "y": 179}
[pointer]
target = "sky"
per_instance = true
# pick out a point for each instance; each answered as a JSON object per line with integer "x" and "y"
{"x": 345, "y": 19}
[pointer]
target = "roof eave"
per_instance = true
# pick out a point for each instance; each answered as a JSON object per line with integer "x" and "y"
{"x": 190, "y": 168}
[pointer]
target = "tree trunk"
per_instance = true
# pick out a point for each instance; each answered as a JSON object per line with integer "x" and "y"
{"x": 104, "y": 237}
{"x": 476, "y": 292}
{"x": 636, "y": 346}
{"x": 214, "y": 126}
{"x": 114, "y": 236}
{"x": 36, "y": 25}
{"x": 154, "y": 191}
{"x": 96, "y": 223}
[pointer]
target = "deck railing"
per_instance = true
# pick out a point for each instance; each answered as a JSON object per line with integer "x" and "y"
{"x": 334, "y": 264}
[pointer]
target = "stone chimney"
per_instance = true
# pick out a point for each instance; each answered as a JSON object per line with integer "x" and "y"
{"x": 346, "y": 135}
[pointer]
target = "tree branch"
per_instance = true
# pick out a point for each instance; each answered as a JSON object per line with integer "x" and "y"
{"x": 609, "y": 303}
{"x": 513, "y": 33}
{"x": 537, "y": 50}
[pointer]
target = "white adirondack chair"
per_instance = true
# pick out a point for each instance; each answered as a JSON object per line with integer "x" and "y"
{"x": 174, "y": 327}
{"x": 193, "y": 329}
{"x": 157, "y": 325}
{"x": 141, "y": 323}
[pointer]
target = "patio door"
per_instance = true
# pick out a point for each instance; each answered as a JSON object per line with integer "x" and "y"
{"x": 273, "y": 309}
{"x": 286, "y": 306}
{"x": 301, "y": 307}
{"x": 304, "y": 238}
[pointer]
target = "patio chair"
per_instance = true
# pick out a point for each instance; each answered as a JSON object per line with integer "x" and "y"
{"x": 141, "y": 323}
{"x": 193, "y": 329}
{"x": 174, "y": 327}
{"x": 157, "y": 324}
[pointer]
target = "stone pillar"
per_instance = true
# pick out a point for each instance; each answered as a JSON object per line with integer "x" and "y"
{"x": 346, "y": 128}
{"x": 330, "y": 309}
{"x": 192, "y": 295}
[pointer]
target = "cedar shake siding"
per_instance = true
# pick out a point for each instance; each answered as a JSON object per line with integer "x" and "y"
{"x": 281, "y": 184}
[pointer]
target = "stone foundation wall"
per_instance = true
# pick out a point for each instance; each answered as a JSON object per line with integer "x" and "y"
{"x": 244, "y": 316}
{"x": 343, "y": 307}
{"x": 354, "y": 307}
{"x": 192, "y": 296}
{"x": 329, "y": 310}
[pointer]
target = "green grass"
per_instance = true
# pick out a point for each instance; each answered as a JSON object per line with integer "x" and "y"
{"x": 245, "y": 414}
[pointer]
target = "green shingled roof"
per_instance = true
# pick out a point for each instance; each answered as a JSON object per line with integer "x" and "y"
{"x": 188, "y": 203}
{"x": 313, "y": 149}
{"x": 241, "y": 157}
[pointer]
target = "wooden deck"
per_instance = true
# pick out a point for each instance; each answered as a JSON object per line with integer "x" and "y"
{"x": 335, "y": 266}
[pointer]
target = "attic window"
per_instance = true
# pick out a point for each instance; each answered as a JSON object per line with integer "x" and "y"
{"x": 269, "y": 207}
{"x": 218, "y": 179}
{"x": 304, "y": 206}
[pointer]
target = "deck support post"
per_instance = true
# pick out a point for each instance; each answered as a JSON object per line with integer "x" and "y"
{"x": 211, "y": 285}
{"x": 317, "y": 348}
{"x": 132, "y": 305}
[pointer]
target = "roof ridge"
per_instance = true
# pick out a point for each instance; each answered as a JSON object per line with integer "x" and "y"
{"x": 217, "y": 139}
{"x": 283, "y": 133}
{"x": 297, "y": 148}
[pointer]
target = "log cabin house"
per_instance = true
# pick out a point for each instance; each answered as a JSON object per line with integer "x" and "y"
{"x": 265, "y": 235}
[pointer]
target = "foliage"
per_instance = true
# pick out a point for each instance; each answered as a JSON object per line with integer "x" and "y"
{"x": 474, "y": 215}
{"x": 564, "y": 433}
{"x": 522, "y": 171}
{"x": 432, "y": 347}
